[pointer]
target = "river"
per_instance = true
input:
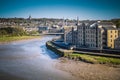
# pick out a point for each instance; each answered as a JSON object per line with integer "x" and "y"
{"x": 29, "y": 60}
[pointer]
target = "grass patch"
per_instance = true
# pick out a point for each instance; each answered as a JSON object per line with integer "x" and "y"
{"x": 15, "y": 38}
{"x": 104, "y": 60}
{"x": 94, "y": 59}
{"x": 86, "y": 57}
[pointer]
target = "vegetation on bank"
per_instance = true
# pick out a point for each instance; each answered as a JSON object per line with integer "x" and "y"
{"x": 16, "y": 38}
{"x": 8, "y": 34}
{"x": 15, "y": 31}
{"x": 93, "y": 59}
{"x": 85, "y": 57}
{"x": 12, "y": 31}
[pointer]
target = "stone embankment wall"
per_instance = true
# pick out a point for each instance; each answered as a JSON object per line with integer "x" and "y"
{"x": 55, "y": 49}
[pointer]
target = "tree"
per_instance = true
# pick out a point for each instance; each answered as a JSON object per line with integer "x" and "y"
{"x": 3, "y": 32}
{"x": 12, "y": 31}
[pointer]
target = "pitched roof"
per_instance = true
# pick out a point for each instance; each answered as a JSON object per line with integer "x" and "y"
{"x": 110, "y": 28}
{"x": 105, "y": 23}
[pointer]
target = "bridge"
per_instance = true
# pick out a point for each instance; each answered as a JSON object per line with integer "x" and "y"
{"x": 48, "y": 34}
{"x": 52, "y": 33}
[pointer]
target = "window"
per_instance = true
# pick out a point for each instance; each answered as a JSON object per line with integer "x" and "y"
{"x": 93, "y": 45}
{"x": 111, "y": 45}
{"x": 111, "y": 40}
{"x": 111, "y": 31}
{"x": 99, "y": 36}
{"x": 111, "y": 36}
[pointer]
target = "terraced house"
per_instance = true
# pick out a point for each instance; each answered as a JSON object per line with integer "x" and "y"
{"x": 93, "y": 35}
{"x": 117, "y": 43}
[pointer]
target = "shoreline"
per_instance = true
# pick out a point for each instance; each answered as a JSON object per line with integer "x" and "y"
{"x": 88, "y": 71}
{"x": 22, "y": 40}
{"x": 88, "y": 58}
{"x": 84, "y": 70}
{"x": 80, "y": 70}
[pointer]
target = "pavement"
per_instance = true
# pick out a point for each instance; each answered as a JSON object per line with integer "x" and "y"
{"x": 89, "y": 53}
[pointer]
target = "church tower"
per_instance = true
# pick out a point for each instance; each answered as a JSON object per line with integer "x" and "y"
{"x": 30, "y": 17}
{"x": 77, "y": 23}
{"x": 63, "y": 22}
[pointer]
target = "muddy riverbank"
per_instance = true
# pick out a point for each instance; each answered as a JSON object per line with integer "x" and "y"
{"x": 87, "y": 71}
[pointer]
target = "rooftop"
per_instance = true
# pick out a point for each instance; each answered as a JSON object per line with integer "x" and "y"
{"x": 105, "y": 23}
{"x": 110, "y": 28}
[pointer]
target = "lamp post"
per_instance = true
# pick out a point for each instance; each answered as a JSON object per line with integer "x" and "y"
{"x": 101, "y": 49}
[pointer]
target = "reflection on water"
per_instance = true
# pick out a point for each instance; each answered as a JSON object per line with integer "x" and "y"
{"x": 30, "y": 60}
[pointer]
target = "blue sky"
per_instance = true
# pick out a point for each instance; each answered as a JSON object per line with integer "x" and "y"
{"x": 84, "y": 9}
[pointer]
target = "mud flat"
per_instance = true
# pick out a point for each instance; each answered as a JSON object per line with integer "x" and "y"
{"x": 88, "y": 71}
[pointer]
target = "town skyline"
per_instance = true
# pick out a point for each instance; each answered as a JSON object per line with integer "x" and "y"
{"x": 69, "y": 9}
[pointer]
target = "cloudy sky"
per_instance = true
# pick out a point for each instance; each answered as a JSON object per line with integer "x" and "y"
{"x": 84, "y": 9}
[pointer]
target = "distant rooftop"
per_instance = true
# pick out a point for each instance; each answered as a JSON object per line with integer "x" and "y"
{"x": 110, "y": 28}
{"x": 105, "y": 23}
